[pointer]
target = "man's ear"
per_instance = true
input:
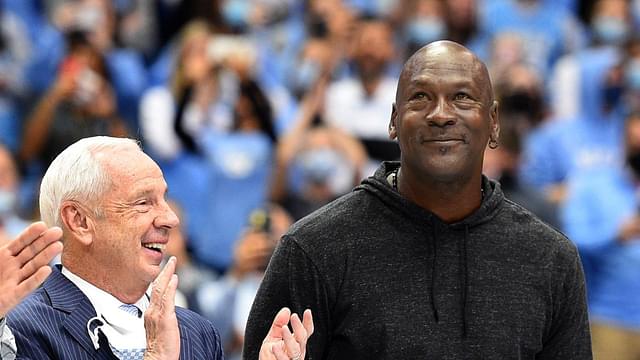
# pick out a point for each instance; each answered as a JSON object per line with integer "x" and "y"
{"x": 494, "y": 119}
{"x": 393, "y": 132}
{"x": 76, "y": 219}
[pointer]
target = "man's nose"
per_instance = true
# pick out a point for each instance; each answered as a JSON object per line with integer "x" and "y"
{"x": 167, "y": 219}
{"x": 442, "y": 114}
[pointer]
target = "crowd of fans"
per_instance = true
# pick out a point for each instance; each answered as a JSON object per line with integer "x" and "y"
{"x": 261, "y": 111}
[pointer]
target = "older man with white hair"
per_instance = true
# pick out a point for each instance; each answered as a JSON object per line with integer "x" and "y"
{"x": 109, "y": 199}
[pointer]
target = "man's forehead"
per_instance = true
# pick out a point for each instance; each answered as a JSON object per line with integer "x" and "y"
{"x": 464, "y": 71}
{"x": 443, "y": 54}
{"x": 448, "y": 59}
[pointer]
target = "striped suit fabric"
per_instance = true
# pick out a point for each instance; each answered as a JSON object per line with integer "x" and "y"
{"x": 52, "y": 324}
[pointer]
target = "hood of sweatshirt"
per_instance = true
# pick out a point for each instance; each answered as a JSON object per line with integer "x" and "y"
{"x": 492, "y": 201}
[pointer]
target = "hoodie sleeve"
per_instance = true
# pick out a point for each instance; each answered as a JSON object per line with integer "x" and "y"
{"x": 568, "y": 336}
{"x": 291, "y": 280}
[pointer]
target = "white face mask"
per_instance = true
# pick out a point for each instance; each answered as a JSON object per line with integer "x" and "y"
{"x": 123, "y": 331}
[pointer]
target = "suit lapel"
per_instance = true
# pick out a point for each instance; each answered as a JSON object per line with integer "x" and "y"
{"x": 185, "y": 345}
{"x": 66, "y": 297}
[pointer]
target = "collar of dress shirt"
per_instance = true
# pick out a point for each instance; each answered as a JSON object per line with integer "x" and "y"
{"x": 102, "y": 301}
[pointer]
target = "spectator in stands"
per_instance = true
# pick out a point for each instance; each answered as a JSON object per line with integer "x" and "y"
{"x": 227, "y": 300}
{"x": 602, "y": 216}
{"x": 547, "y": 30}
{"x": 502, "y": 163}
{"x": 424, "y": 21}
{"x": 80, "y": 103}
{"x": 462, "y": 21}
{"x": 15, "y": 52}
{"x": 315, "y": 162}
{"x": 359, "y": 104}
{"x": 572, "y": 91}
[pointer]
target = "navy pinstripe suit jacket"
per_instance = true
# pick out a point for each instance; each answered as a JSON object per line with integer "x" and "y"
{"x": 52, "y": 324}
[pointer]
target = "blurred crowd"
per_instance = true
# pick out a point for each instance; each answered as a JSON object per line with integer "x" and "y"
{"x": 261, "y": 111}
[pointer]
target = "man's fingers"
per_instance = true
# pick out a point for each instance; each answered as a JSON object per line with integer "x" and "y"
{"x": 162, "y": 281}
{"x": 307, "y": 321}
{"x": 278, "y": 351}
{"x": 26, "y": 237}
{"x": 36, "y": 231}
{"x": 170, "y": 295}
{"x": 45, "y": 239}
{"x": 299, "y": 331}
{"x": 282, "y": 318}
{"x": 293, "y": 348}
{"x": 32, "y": 282}
{"x": 43, "y": 258}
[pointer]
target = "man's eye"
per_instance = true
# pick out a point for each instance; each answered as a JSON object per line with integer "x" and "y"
{"x": 419, "y": 96}
{"x": 462, "y": 96}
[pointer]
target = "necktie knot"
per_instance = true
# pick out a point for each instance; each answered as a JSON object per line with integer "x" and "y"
{"x": 131, "y": 310}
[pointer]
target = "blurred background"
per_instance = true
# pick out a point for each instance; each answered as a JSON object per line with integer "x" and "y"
{"x": 261, "y": 111}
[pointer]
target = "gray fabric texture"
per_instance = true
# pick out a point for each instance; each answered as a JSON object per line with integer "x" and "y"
{"x": 386, "y": 279}
{"x": 7, "y": 342}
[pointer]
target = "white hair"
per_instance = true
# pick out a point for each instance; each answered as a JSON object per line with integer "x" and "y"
{"x": 76, "y": 174}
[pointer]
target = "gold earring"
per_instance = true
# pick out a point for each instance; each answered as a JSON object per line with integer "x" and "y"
{"x": 493, "y": 143}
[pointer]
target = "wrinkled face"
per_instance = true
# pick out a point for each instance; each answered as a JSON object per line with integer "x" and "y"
{"x": 133, "y": 230}
{"x": 444, "y": 113}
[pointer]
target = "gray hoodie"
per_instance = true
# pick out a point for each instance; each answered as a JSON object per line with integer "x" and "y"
{"x": 387, "y": 279}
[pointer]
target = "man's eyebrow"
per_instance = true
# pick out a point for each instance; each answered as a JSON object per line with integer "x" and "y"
{"x": 142, "y": 193}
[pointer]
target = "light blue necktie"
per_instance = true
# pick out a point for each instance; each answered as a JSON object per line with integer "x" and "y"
{"x": 131, "y": 310}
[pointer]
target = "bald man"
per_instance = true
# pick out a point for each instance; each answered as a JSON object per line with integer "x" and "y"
{"x": 427, "y": 259}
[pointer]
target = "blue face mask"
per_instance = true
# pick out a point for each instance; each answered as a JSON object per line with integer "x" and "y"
{"x": 423, "y": 30}
{"x": 610, "y": 30}
{"x": 632, "y": 75}
{"x": 319, "y": 165}
{"x": 236, "y": 12}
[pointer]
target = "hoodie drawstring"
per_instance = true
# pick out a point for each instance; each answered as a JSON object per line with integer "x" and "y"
{"x": 434, "y": 244}
{"x": 464, "y": 277}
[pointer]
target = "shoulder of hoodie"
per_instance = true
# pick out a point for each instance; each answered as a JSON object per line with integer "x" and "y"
{"x": 541, "y": 237}
{"x": 333, "y": 224}
{"x": 346, "y": 210}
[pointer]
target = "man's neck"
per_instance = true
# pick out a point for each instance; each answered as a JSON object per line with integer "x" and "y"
{"x": 107, "y": 283}
{"x": 450, "y": 201}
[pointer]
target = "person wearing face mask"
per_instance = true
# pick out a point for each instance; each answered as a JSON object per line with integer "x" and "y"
{"x": 572, "y": 77}
{"x": 602, "y": 216}
{"x": 549, "y": 31}
{"x": 425, "y": 23}
{"x": 315, "y": 162}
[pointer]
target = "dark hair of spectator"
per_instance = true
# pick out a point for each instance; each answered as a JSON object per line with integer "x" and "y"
{"x": 261, "y": 108}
